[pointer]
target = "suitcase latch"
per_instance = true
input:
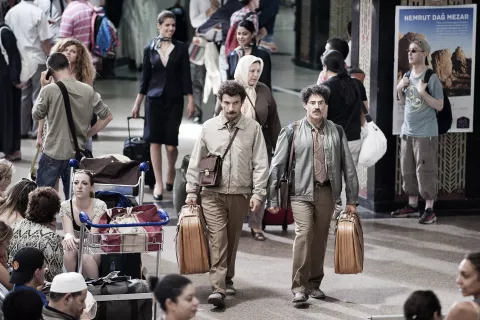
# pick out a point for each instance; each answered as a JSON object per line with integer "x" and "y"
{"x": 207, "y": 173}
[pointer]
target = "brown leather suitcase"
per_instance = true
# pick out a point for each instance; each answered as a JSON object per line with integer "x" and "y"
{"x": 192, "y": 245}
{"x": 349, "y": 247}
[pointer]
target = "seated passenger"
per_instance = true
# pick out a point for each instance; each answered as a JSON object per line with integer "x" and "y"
{"x": 6, "y": 173}
{"x": 422, "y": 305}
{"x": 469, "y": 282}
{"x": 29, "y": 271}
{"x": 82, "y": 200}
{"x": 14, "y": 306}
{"x": 176, "y": 296}
{"x": 6, "y": 234}
{"x": 38, "y": 228}
{"x": 14, "y": 205}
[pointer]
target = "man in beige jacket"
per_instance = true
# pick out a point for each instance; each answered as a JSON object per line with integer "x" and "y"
{"x": 242, "y": 187}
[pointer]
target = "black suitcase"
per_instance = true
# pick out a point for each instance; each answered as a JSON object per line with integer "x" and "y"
{"x": 138, "y": 149}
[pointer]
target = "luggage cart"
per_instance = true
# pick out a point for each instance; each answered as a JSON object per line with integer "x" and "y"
{"x": 143, "y": 168}
{"x": 92, "y": 243}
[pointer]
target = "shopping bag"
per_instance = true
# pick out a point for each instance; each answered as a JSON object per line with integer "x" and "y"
{"x": 374, "y": 146}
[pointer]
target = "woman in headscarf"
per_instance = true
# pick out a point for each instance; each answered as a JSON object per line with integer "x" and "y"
{"x": 10, "y": 92}
{"x": 261, "y": 106}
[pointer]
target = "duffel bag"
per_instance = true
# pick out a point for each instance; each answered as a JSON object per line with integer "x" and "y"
{"x": 192, "y": 245}
{"x": 131, "y": 239}
{"x": 121, "y": 310}
{"x": 349, "y": 247}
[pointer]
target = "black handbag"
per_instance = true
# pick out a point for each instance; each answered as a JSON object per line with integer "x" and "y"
{"x": 79, "y": 154}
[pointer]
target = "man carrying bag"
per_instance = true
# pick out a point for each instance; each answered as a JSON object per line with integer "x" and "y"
{"x": 67, "y": 105}
{"x": 229, "y": 161}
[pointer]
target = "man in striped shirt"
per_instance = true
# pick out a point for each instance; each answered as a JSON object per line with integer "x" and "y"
{"x": 76, "y": 22}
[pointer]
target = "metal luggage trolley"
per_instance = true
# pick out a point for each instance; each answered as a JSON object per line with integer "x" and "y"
{"x": 92, "y": 243}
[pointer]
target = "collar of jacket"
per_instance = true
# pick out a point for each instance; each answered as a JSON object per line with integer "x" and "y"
{"x": 222, "y": 120}
{"x": 330, "y": 132}
{"x": 58, "y": 314}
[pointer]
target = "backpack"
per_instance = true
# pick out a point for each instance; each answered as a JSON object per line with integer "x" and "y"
{"x": 104, "y": 34}
{"x": 444, "y": 117}
{"x": 231, "y": 41}
{"x": 29, "y": 66}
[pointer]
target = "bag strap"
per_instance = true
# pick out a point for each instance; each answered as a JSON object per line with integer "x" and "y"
{"x": 2, "y": 48}
{"x": 68, "y": 109}
{"x": 230, "y": 143}
{"x": 292, "y": 151}
{"x": 256, "y": 114}
{"x": 71, "y": 208}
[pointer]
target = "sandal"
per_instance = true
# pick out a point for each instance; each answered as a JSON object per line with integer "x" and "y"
{"x": 259, "y": 236}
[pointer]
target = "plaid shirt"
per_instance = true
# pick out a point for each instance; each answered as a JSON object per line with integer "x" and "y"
{"x": 76, "y": 23}
{"x": 239, "y": 15}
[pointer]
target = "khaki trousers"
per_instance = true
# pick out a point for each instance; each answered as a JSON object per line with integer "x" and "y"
{"x": 419, "y": 165}
{"x": 224, "y": 214}
{"x": 312, "y": 222}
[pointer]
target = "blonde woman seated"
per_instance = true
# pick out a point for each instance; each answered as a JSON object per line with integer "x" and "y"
{"x": 82, "y": 200}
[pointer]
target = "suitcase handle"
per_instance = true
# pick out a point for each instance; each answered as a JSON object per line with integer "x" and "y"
{"x": 128, "y": 125}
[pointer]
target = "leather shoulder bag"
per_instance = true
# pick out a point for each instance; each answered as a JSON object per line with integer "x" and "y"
{"x": 285, "y": 183}
{"x": 211, "y": 167}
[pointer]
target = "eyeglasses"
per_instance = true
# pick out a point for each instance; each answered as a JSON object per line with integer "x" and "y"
{"x": 414, "y": 50}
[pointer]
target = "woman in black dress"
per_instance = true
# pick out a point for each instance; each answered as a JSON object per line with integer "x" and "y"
{"x": 10, "y": 91}
{"x": 165, "y": 80}
{"x": 248, "y": 46}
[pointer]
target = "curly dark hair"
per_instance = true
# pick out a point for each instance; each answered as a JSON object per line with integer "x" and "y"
{"x": 232, "y": 88}
{"x": 43, "y": 205}
{"x": 319, "y": 90}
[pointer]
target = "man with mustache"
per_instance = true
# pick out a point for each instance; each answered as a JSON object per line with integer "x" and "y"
{"x": 320, "y": 157}
{"x": 242, "y": 186}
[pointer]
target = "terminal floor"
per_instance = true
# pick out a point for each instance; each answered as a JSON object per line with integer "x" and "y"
{"x": 400, "y": 255}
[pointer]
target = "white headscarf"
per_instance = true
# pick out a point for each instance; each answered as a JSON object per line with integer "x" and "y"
{"x": 241, "y": 76}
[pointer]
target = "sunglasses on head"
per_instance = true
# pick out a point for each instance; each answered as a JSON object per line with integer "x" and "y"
{"x": 414, "y": 50}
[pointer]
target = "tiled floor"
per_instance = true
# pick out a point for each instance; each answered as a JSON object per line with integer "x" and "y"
{"x": 400, "y": 255}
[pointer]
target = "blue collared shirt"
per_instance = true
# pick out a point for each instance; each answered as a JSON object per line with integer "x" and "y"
{"x": 40, "y": 293}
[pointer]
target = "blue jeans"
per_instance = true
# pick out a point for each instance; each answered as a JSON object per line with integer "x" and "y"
{"x": 49, "y": 170}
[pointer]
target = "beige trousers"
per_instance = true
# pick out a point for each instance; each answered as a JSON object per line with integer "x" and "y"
{"x": 312, "y": 222}
{"x": 224, "y": 214}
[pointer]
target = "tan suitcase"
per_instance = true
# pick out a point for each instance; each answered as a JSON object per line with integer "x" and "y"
{"x": 349, "y": 244}
{"x": 192, "y": 244}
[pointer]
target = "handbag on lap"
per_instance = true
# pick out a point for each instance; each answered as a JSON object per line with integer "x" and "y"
{"x": 192, "y": 245}
{"x": 349, "y": 246}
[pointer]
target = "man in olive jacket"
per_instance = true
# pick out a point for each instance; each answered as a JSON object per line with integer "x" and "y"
{"x": 321, "y": 156}
{"x": 242, "y": 186}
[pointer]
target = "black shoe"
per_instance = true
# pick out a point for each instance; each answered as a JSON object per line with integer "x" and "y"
{"x": 428, "y": 217}
{"x": 169, "y": 186}
{"x": 300, "y": 297}
{"x": 317, "y": 294}
{"x": 95, "y": 137}
{"x": 407, "y": 212}
{"x": 231, "y": 291}
{"x": 158, "y": 197}
{"x": 217, "y": 299}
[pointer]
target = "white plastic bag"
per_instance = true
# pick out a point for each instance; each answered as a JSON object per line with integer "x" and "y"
{"x": 374, "y": 146}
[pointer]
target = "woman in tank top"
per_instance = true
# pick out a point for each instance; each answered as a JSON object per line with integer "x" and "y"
{"x": 82, "y": 200}
{"x": 468, "y": 281}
